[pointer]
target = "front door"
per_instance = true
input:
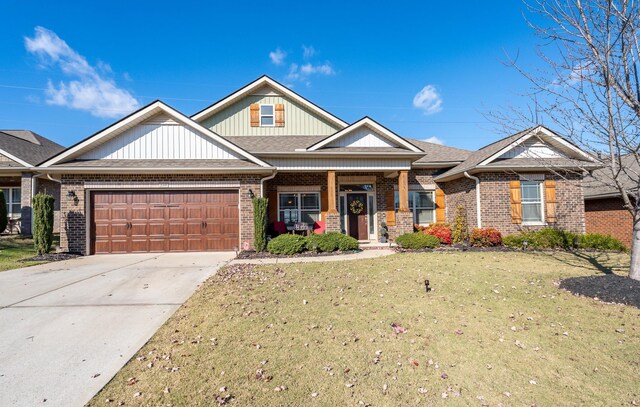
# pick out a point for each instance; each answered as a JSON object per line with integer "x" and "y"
{"x": 357, "y": 216}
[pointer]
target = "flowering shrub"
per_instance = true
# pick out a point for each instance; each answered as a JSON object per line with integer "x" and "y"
{"x": 441, "y": 231}
{"x": 485, "y": 237}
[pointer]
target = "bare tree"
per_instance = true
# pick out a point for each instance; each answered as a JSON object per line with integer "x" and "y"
{"x": 589, "y": 87}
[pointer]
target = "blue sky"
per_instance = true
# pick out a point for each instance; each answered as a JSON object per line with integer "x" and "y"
{"x": 423, "y": 69}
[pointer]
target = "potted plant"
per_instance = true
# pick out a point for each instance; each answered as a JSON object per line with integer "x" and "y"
{"x": 384, "y": 232}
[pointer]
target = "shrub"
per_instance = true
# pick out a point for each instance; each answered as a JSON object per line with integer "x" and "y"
{"x": 330, "y": 242}
{"x": 442, "y": 232}
{"x": 460, "y": 230}
{"x": 485, "y": 237}
{"x": 287, "y": 244}
{"x": 42, "y": 222}
{"x": 417, "y": 240}
{"x": 546, "y": 238}
{"x": 3, "y": 213}
{"x": 260, "y": 223}
{"x": 600, "y": 242}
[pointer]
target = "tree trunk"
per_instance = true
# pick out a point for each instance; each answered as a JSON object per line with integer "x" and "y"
{"x": 634, "y": 269}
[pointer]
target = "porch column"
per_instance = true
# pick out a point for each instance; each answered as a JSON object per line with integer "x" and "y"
{"x": 403, "y": 191}
{"x": 404, "y": 217}
{"x": 332, "y": 221}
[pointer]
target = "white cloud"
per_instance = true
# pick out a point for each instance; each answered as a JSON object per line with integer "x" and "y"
{"x": 277, "y": 57}
{"x": 434, "y": 140}
{"x": 90, "y": 91}
{"x": 323, "y": 69}
{"x": 428, "y": 100}
{"x": 308, "y": 52}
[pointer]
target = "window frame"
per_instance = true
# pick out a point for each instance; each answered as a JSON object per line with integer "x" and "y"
{"x": 540, "y": 202}
{"x": 414, "y": 208}
{"x": 272, "y": 115}
{"x": 299, "y": 209}
{"x": 10, "y": 202}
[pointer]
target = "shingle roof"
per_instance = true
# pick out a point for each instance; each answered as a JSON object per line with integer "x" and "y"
{"x": 28, "y": 146}
{"x": 476, "y": 157}
{"x": 273, "y": 144}
{"x": 436, "y": 153}
{"x": 600, "y": 182}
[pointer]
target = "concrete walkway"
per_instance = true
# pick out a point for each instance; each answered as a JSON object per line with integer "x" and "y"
{"x": 66, "y": 328}
{"x": 364, "y": 254}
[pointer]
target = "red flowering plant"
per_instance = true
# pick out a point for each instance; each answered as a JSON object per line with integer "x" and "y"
{"x": 441, "y": 231}
{"x": 485, "y": 237}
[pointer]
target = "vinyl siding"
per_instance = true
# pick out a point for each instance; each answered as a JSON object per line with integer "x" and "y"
{"x": 160, "y": 138}
{"x": 363, "y": 137}
{"x": 532, "y": 148}
{"x": 299, "y": 121}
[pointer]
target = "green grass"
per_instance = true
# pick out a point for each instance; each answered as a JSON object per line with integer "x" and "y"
{"x": 495, "y": 330}
{"x": 14, "y": 248}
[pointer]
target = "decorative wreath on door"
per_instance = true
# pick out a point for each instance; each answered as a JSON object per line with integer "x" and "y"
{"x": 356, "y": 207}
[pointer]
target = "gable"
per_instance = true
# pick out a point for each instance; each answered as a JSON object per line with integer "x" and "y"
{"x": 8, "y": 162}
{"x": 362, "y": 137}
{"x": 533, "y": 147}
{"x": 235, "y": 120}
{"x": 159, "y": 137}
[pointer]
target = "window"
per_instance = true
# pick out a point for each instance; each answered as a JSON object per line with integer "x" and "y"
{"x": 531, "y": 201}
{"x": 267, "y": 115}
{"x": 299, "y": 207}
{"x": 423, "y": 206}
{"x": 12, "y": 199}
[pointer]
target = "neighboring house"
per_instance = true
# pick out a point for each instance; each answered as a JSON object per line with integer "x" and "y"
{"x": 158, "y": 180}
{"x": 604, "y": 209}
{"x": 20, "y": 152}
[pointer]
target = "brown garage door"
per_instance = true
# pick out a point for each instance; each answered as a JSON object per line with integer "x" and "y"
{"x": 163, "y": 221}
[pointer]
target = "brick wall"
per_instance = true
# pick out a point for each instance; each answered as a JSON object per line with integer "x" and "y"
{"x": 73, "y": 231}
{"x": 460, "y": 192}
{"x": 609, "y": 217}
{"x": 52, "y": 188}
{"x": 25, "y": 203}
{"x": 496, "y": 206}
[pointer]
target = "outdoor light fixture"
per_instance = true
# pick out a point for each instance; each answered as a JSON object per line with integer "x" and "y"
{"x": 525, "y": 243}
{"x": 251, "y": 194}
{"x": 71, "y": 195}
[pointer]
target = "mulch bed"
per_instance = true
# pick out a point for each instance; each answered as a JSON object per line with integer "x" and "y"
{"x": 51, "y": 257}
{"x": 247, "y": 255}
{"x": 609, "y": 288}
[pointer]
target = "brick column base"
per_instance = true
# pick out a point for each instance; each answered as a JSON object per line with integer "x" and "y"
{"x": 25, "y": 204}
{"x": 404, "y": 223}
{"x": 332, "y": 222}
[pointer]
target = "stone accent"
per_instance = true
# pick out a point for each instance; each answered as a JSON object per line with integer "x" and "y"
{"x": 73, "y": 233}
{"x": 609, "y": 217}
{"x": 25, "y": 201}
{"x": 404, "y": 224}
{"x": 333, "y": 222}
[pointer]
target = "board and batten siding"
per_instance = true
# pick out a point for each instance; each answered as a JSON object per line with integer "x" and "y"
{"x": 363, "y": 137}
{"x": 338, "y": 164}
{"x": 160, "y": 138}
{"x": 235, "y": 121}
{"x": 533, "y": 148}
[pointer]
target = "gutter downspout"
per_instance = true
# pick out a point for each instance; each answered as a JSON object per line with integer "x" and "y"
{"x": 478, "y": 208}
{"x": 267, "y": 178}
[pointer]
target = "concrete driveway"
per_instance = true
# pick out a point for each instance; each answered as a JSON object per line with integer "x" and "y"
{"x": 66, "y": 328}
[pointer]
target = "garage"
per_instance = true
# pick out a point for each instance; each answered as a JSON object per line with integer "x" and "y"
{"x": 164, "y": 221}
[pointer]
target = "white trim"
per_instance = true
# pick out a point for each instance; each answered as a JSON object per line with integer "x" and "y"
{"x": 14, "y": 158}
{"x": 299, "y": 188}
{"x": 272, "y": 115}
{"x": 221, "y": 184}
{"x": 138, "y": 117}
{"x": 12, "y": 215}
{"x": 541, "y": 222}
{"x": 366, "y": 121}
{"x": 537, "y": 132}
{"x": 260, "y": 82}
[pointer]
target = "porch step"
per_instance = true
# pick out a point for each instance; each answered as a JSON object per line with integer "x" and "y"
{"x": 366, "y": 245}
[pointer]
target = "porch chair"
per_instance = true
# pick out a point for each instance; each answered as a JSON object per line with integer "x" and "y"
{"x": 280, "y": 228}
{"x": 319, "y": 227}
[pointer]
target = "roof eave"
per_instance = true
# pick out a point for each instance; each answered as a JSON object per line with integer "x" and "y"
{"x": 160, "y": 170}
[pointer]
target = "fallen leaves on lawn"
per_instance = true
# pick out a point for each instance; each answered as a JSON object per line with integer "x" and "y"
{"x": 398, "y": 329}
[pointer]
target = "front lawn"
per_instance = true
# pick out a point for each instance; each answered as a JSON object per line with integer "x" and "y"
{"x": 14, "y": 248}
{"x": 494, "y": 330}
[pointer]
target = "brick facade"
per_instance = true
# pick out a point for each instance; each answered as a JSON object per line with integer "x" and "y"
{"x": 52, "y": 188}
{"x": 25, "y": 203}
{"x": 73, "y": 233}
{"x": 609, "y": 217}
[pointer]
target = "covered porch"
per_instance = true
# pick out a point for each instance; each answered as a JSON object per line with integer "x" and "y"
{"x": 354, "y": 203}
